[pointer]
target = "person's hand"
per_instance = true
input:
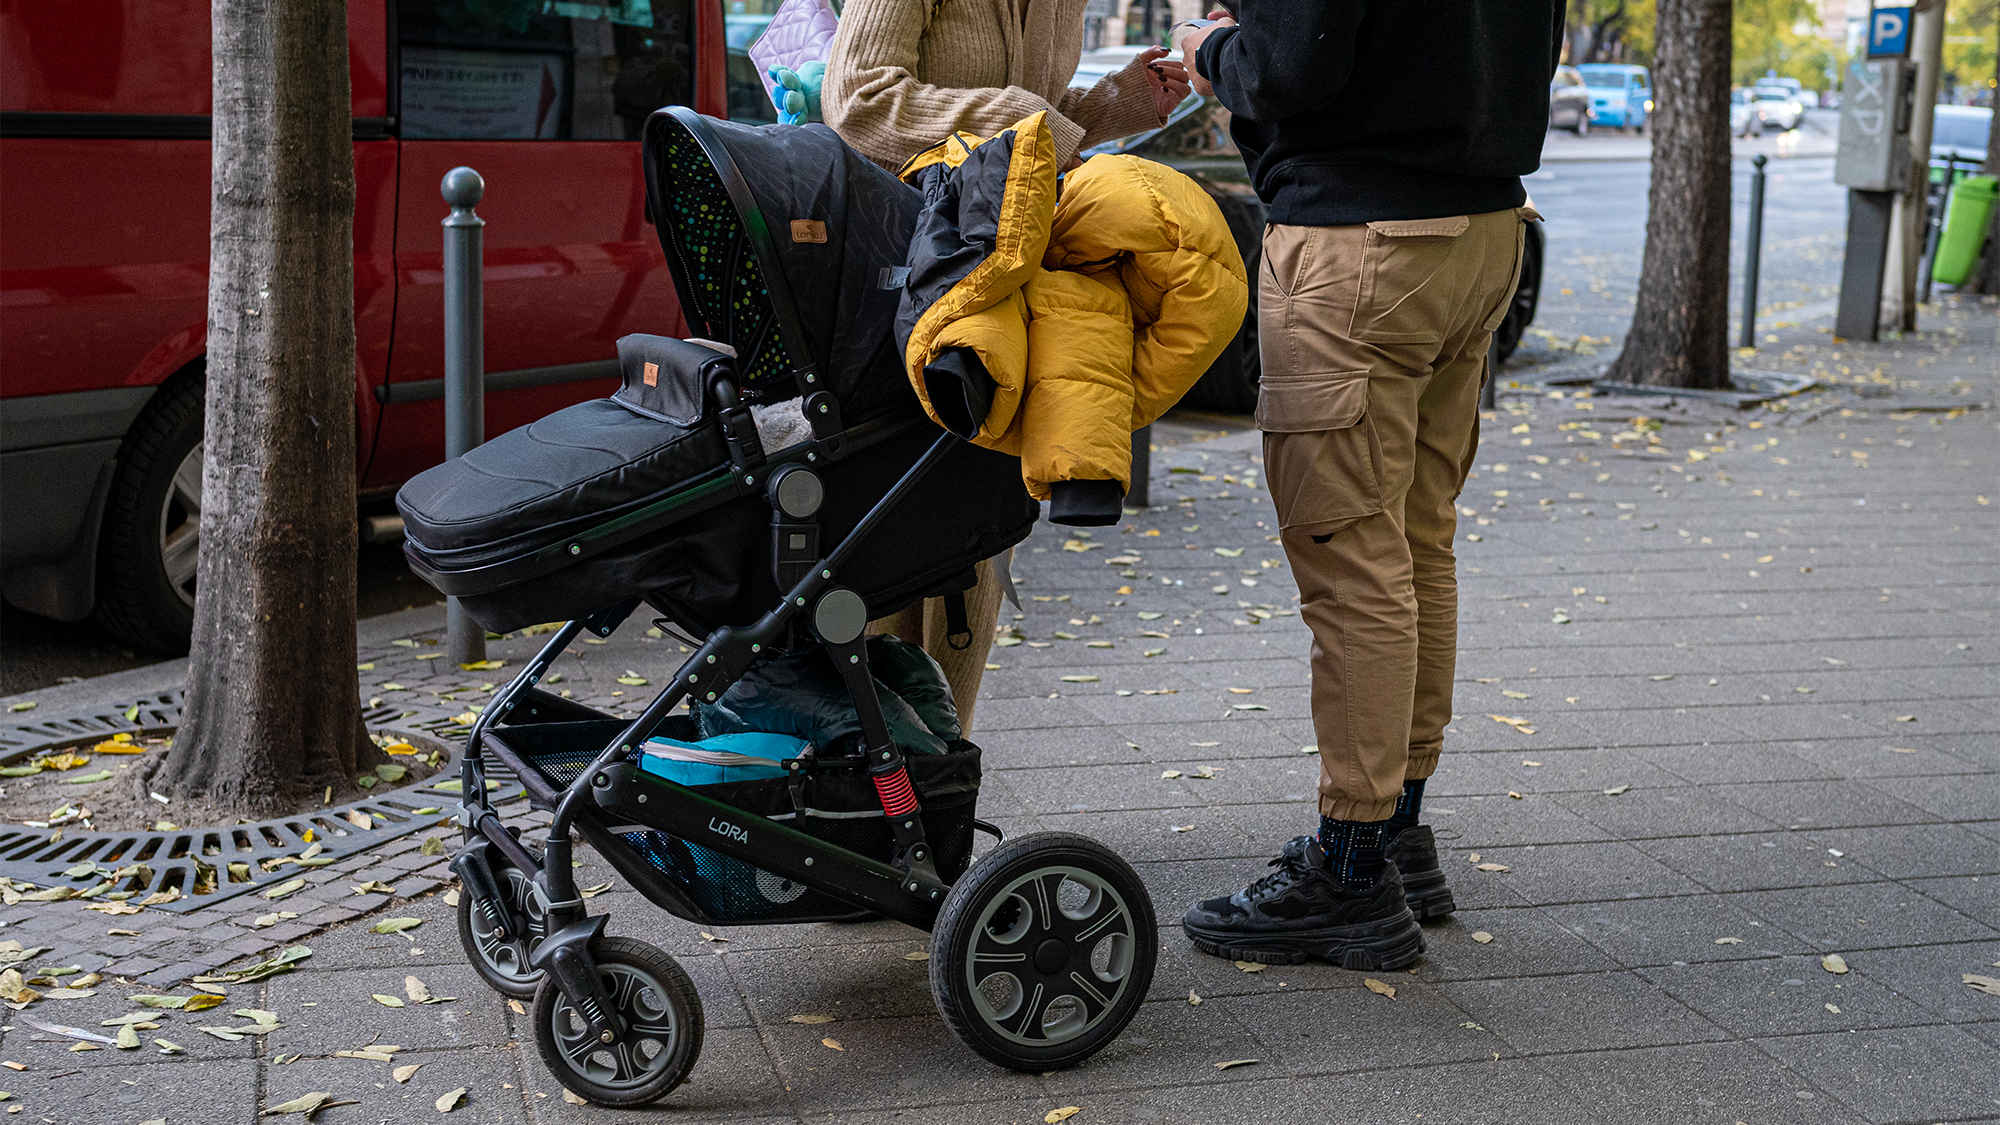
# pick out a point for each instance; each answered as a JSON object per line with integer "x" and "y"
{"x": 1188, "y": 39}
{"x": 1169, "y": 80}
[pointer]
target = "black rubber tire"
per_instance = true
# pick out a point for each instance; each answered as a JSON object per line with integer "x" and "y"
{"x": 136, "y": 602}
{"x": 1582, "y": 126}
{"x": 1527, "y": 294}
{"x": 1229, "y": 386}
{"x": 504, "y": 967}
{"x": 987, "y": 892}
{"x": 623, "y": 964}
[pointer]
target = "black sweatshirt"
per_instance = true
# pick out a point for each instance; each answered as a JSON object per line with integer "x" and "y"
{"x": 1353, "y": 111}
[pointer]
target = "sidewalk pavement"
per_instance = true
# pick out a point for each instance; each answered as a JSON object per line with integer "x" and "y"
{"x": 1727, "y": 709}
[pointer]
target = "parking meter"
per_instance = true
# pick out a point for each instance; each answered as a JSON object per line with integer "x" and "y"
{"x": 1877, "y": 105}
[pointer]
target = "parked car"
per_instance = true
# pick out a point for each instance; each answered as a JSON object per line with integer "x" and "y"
{"x": 1195, "y": 140}
{"x": 749, "y": 102}
{"x": 104, "y": 126}
{"x": 1782, "y": 109}
{"x": 1569, "y": 101}
{"x": 1961, "y": 129}
{"x": 1621, "y": 97}
{"x": 1746, "y": 114}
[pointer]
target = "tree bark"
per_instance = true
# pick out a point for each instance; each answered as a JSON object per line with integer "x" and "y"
{"x": 273, "y": 709}
{"x": 1986, "y": 272}
{"x": 1680, "y": 328}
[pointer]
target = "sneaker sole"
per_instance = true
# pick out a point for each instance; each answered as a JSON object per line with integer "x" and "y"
{"x": 1392, "y": 943}
{"x": 1430, "y": 900}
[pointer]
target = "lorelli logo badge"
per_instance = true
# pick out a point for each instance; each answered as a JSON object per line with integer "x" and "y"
{"x": 724, "y": 828}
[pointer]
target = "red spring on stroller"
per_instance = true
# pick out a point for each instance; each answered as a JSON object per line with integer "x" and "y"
{"x": 894, "y": 789}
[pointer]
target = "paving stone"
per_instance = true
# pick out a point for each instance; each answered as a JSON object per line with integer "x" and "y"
{"x": 342, "y": 1017}
{"x": 1932, "y": 976}
{"x": 1639, "y": 932}
{"x": 1591, "y": 1011}
{"x": 1903, "y": 1074}
{"x": 1783, "y": 996}
{"x": 1879, "y": 915}
{"x": 178, "y": 1090}
{"x": 1355, "y": 1029}
{"x": 1697, "y": 1084}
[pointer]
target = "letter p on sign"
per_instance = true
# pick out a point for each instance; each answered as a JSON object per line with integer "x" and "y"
{"x": 1889, "y": 33}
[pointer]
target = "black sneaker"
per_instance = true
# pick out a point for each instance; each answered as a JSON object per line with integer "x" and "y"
{"x": 1301, "y": 911}
{"x": 1415, "y": 854}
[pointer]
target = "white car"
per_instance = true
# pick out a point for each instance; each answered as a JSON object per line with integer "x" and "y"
{"x": 1746, "y": 114}
{"x": 1782, "y": 108}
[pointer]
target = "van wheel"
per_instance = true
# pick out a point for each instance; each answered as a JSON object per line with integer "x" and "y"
{"x": 152, "y": 525}
{"x": 1583, "y": 124}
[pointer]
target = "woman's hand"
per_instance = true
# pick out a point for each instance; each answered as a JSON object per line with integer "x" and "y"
{"x": 1188, "y": 40}
{"x": 1169, "y": 80}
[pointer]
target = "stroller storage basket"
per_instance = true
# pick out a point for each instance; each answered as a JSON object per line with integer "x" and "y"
{"x": 833, "y": 800}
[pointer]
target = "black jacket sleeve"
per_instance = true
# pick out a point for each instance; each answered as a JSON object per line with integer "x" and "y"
{"x": 1288, "y": 57}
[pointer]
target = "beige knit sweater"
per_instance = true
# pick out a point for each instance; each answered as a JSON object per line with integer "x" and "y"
{"x": 903, "y": 74}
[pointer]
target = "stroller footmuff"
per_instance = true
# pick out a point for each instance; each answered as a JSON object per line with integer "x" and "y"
{"x": 769, "y": 487}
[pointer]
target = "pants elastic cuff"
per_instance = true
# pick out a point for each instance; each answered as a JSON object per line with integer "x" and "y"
{"x": 1420, "y": 768}
{"x": 1366, "y": 812}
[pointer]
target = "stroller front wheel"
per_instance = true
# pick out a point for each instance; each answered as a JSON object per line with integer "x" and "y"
{"x": 659, "y": 1009}
{"x": 503, "y": 961}
{"x": 1044, "y": 951}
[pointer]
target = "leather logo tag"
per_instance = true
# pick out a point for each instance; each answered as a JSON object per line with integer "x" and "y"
{"x": 652, "y": 374}
{"x": 808, "y": 230}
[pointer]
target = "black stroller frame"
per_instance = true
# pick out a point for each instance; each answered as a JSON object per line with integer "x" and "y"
{"x": 1041, "y": 950}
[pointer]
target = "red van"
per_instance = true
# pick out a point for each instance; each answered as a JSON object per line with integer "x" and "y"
{"x": 104, "y": 187}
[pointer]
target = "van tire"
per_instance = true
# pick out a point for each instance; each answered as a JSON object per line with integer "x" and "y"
{"x": 136, "y": 601}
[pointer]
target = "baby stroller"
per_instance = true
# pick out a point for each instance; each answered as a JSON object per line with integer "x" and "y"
{"x": 772, "y": 486}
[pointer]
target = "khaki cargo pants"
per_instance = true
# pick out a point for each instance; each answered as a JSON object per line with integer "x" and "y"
{"x": 1374, "y": 343}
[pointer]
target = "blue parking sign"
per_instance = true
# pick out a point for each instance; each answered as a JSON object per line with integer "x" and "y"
{"x": 1889, "y": 33}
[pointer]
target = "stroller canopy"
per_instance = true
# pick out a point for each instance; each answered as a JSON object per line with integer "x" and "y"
{"x": 752, "y": 217}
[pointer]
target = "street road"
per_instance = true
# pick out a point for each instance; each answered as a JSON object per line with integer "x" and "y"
{"x": 1595, "y": 212}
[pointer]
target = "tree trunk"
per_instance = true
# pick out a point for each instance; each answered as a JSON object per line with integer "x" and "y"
{"x": 1986, "y": 272}
{"x": 1680, "y": 328}
{"x": 273, "y": 709}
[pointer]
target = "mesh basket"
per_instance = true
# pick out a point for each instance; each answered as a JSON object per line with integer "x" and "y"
{"x": 833, "y": 801}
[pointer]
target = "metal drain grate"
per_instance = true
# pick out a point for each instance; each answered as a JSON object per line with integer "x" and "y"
{"x": 175, "y": 860}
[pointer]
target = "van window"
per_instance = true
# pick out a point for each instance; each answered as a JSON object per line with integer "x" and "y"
{"x": 540, "y": 69}
{"x": 749, "y": 101}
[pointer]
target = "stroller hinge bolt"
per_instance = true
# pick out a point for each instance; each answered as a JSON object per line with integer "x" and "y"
{"x": 606, "y": 1037}
{"x": 826, "y": 574}
{"x": 642, "y": 798}
{"x": 822, "y": 408}
{"x": 711, "y": 660}
{"x": 576, "y": 548}
{"x": 854, "y": 660}
{"x": 711, "y": 695}
{"x": 756, "y": 648}
{"x": 809, "y": 861}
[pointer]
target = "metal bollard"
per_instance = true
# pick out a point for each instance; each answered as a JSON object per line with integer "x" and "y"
{"x": 1140, "y": 495}
{"x": 464, "y": 364}
{"x": 1753, "y": 252}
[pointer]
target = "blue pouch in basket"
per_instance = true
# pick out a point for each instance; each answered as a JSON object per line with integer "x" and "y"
{"x": 727, "y": 757}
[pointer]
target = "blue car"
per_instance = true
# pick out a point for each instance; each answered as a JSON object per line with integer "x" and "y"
{"x": 1621, "y": 97}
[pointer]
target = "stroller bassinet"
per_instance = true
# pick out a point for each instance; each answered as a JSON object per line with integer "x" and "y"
{"x": 657, "y": 492}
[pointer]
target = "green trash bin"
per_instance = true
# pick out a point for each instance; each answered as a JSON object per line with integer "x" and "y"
{"x": 1964, "y": 228}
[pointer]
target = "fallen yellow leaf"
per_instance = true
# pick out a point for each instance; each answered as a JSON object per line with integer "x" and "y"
{"x": 832, "y": 1043}
{"x": 1833, "y": 963}
{"x": 1063, "y": 1114}
{"x": 1380, "y": 989}
{"x": 451, "y": 1101}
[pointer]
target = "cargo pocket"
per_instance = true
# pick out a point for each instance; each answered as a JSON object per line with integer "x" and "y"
{"x": 1407, "y": 294}
{"x": 1320, "y": 450}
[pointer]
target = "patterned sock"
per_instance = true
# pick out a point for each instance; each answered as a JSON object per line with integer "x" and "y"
{"x": 1353, "y": 850}
{"x": 1407, "y": 805}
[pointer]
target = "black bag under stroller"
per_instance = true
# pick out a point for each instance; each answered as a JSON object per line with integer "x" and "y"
{"x": 771, "y": 485}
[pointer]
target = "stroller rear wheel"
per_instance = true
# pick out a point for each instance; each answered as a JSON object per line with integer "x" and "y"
{"x": 1043, "y": 951}
{"x": 503, "y": 962}
{"x": 661, "y": 1014}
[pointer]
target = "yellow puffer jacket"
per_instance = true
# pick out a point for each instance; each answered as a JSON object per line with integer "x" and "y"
{"x": 1050, "y": 323}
